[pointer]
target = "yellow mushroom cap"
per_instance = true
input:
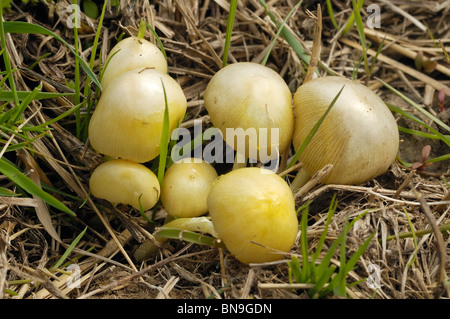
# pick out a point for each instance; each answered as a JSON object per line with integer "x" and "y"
{"x": 128, "y": 119}
{"x": 359, "y": 136}
{"x": 253, "y": 212}
{"x": 186, "y": 186}
{"x": 123, "y": 182}
{"x": 132, "y": 53}
{"x": 249, "y": 95}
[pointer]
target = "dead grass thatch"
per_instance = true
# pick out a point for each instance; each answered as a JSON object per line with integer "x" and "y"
{"x": 193, "y": 35}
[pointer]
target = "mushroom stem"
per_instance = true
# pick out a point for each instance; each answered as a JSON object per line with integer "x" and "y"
{"x": 300, "y": 180}
{"x": 313, "y": 181}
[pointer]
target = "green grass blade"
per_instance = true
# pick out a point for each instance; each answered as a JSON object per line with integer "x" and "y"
{"x": 331, "y": 210}
{"x": 189, "y": 236}
{"x": 338, "y": 282}
{"x": 362, "y": 36}
{"x": 349, "y": 265}
{"x": 442, "y": 137}
{"x": 444, "y": 51}
{"x": 351, "y": 20}
{"x": 320, "y": 290}
{"x": 418, "y": 133}
{"x": 25, "y": 27}
{"x": 438, "y": 159}
{"x": 97, "y": 35}
{"x": 87, "y": 86}
{"x": 323, "y": 269}
{"x": 375, "y": 57}
{"x": 6, "y": 59}
{"x": 413, "y": 233}
{"x": 12, "y": 129}
{"x": 68, "y": 250}
{"x": 296, "y": 270}
{"x": 287, "y": 35}
{"x": 45, "y": 125}
{"x": 142, "y": 211}
{"x": 24, "y": 104}
{"x": 313, "y": 131}
{"x": 416, "y": 106}
{"x": 306, "y": 270}
{"x": 29, "y": 186}
{"x": 8, "y": 95}
{"x": 280, "y": 29}
{"x": 77, "y": 71}
{"x": 160, "y": 44}
{"x": 164, "y": 139}
{"x": 331, "y": 14}
{"x": 230, "y": 24}
{"x": 7, "y": 192}
{"x": 325, "y": 263}
{"x": 9, "y": 76}
{"x": 294, "y": 42}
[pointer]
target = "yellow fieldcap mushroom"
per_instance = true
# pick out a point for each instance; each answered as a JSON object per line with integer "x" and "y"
{"x": 248, "y": 95}
{"x": 132, "y": 53}
{"x": 128, "y": 119}
{"x": 359, "y": 136}
{"x": 186, "y": 186}
{"x": 253, "y": 212}
{"x": 125, "y": 182}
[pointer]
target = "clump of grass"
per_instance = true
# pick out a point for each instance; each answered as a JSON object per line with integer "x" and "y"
{"x": 316, "y": 268}
{"x": 12, "y": 118}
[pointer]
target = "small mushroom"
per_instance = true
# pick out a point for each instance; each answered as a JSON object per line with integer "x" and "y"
{"x": 248, "y": 95}
{"x": 124, "y": 182}
{"x": 186, "y": 186}
{"x": 359, "y": 136}
{"x": 253, "y": 212}
{"x": 132, "y": 53}
{"x": 128, "y": 119}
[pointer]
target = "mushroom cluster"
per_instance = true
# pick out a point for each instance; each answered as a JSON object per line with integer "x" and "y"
{"x": 127, "y": 123}
{"x": 250, "y": 209}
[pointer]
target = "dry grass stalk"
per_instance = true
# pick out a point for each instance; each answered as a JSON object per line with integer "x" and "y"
{"x": 438, "y": 85}
{"x": 315, "y": 53}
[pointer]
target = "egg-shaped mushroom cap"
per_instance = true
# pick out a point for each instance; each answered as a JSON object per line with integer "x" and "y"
{"x": 250, "y": 97}
{"x": 129, "y": 54}
{"x": 186, "y": 186}
{"x": 253, "y": 212}
{"x": 125, "y": 182}
{"x": 359, "y": 136}
{"x": 128, "y": 119}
